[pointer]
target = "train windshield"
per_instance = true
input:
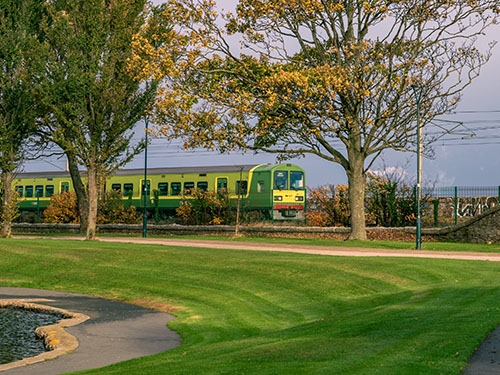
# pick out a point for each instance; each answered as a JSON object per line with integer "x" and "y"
{"x": 281, "y": 180}
{"x": 297, "y": 180}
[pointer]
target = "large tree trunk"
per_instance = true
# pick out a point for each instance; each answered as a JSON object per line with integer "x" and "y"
{"x": 357, "y": 180}
{"x": 8, "y": 205}
{"x": 93, "y": 194}
{"x": 81, "y": 193}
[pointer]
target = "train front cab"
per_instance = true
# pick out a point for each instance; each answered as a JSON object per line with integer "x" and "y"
{"x": 289, "y": 192}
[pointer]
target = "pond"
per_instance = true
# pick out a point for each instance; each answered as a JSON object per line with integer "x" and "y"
{"x": 17, "y": 333}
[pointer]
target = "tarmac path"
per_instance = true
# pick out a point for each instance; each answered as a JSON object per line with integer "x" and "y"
{"x": 308, "y": 249}
{"x": 117, "y": 331}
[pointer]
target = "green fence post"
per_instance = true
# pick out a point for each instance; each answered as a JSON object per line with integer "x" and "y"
{"x": 435, "y": 203}
{"x": 456, "y": 205}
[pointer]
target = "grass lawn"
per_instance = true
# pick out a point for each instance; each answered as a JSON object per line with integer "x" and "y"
{"x": 242, "y": 312}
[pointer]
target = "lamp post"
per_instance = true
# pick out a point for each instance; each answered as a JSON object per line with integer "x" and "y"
{"x": 144, "y": 185}
{"x": 417, "y": 90}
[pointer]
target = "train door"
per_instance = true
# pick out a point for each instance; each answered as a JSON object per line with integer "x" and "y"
{"x": 145, "y": 192}
{"x": 146, "y": 188}
{"x": 221, "y": 184}
{"x": 64, "y": 187}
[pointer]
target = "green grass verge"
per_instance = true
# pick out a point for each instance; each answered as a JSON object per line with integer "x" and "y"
{"x": 242, "y": 312}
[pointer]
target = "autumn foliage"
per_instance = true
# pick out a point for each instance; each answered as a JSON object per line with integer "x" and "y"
{"x": 62, "y": 209}
{"x": 112, "y": 210}
{"x": 388, "y": 203}
{"x": 328, "y": 206}
{"x": 204, "y": 207}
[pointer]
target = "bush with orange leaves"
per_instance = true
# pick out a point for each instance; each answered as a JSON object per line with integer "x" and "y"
{"x": 201, "y": 207}
{"x": 62, "y": 209}
{"x": 113, "y": 210}
{"x": 328, "y": 206}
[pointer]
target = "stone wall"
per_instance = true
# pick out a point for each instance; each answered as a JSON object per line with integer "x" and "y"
{"x": 341, "y": 233}
{"x": 484, "y": 228}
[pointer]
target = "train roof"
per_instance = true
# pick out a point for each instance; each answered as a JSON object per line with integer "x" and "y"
{"x": 151, "y": 171}
{"x": 269, "y": 167}
{"x": 177, "y": 170}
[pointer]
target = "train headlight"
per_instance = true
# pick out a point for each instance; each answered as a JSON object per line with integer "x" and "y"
{"x": 299, "y": 199}
{"x": 278, "y": 198}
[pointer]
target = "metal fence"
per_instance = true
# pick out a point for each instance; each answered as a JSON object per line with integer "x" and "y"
{"x": 452, "y": 205}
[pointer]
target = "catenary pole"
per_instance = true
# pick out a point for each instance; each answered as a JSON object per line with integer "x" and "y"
{"x": 144, "y": 185}
{"x": 417, "y": 90}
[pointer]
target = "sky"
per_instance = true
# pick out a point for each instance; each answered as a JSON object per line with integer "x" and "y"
{"x": 468, "y": 157}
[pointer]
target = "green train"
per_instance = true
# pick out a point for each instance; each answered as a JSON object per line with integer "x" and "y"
{"x": 277, "y": 191}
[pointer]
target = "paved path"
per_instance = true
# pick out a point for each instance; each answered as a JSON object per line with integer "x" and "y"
{"x": 117, "y": 332}
{"x": 305, "y": 249}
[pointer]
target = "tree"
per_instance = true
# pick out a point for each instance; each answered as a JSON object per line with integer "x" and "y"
{"x": 19, "y": 66}
{"x": 91, "y": 99}
{"x": 333, "y": 78}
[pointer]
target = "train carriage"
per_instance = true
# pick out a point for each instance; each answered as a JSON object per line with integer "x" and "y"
{"x": 275, "y": 190}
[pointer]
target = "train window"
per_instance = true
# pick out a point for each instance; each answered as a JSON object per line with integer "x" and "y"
{"x": 297, "y": 180}
{"x": 221, "y": 184}
{"x": 241, "y": 187}
{"x": 116, "y": 187}
{"x": 281, "y": 180}
{"x": 29, "y": 191}
{"x": 64, "y": 187}
{"x": 128, "y": 190}
{"x": 163, "y": 188}
{"x": 49, "y": 190}
{"x": 260, "y": 187}
{"x": 20, "y": 190}
{"x": 147, "y": 188}
{"x": 202, "y": 185}
{"x": 175, "y": 188}
{"x": 188, "y": 187}
{"x": 39, "y": 191}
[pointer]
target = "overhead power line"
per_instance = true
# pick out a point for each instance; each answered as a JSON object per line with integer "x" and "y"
{"x": 473, "y": 111}
{"x": 468, "y": 144}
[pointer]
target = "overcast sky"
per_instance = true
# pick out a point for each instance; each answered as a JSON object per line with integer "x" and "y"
{"x": 470, "y": 157}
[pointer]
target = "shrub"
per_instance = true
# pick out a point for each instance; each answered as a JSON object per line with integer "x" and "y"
{"x": 328, "y": 205}
{"x": 205, "y": 207}
{"x": 390, "y": 201}
{"x": 62, "y": 209}
{"x": 112, "y": 210}
{"x": 185, "y": 212}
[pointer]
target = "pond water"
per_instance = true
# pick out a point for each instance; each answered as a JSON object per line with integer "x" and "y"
{"x": 17, "y": 333}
